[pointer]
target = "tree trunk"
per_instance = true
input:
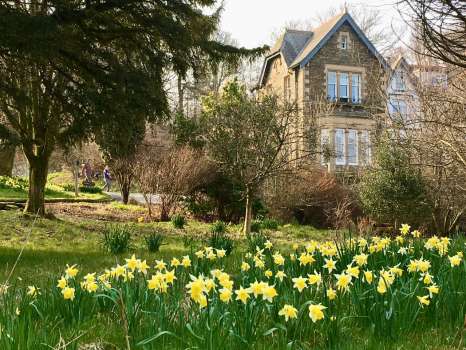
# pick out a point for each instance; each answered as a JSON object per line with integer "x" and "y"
{"x": 248, "y": 214}
{"x": 38, "y": 169}
{"x": 164, "y": 212}
{"x": 7, "y": 156}
{"x": 124, "y": 189}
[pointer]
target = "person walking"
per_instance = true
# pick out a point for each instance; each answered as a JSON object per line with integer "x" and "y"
{"x": 107, "y": 179}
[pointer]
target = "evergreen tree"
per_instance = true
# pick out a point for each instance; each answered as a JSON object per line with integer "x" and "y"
{"x": 64, "y": 64}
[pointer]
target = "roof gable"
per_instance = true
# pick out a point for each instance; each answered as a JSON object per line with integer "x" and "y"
{"x": 322, "y": 35}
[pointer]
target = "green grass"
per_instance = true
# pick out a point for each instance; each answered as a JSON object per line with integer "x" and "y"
{"x": 51, "y": 244}
{"x": 53, "y": 190}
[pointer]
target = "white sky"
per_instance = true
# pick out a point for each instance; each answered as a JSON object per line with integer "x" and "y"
{"x": 251, "y": 22}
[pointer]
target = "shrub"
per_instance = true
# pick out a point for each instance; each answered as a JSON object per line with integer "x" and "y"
{"x": 178, "y": 221}
{"x": 269, "y": 224}
{"x": 117, "y": 238}
{"x": 154, "y": 241}
{"x": 256, "y": 225}
{"x": 256, "y": 239}
{"x": 218, "y": 227}
{"x": 90, "y": 189}
{"x": 68, "y": 187}
{"x": 220, "y": 240}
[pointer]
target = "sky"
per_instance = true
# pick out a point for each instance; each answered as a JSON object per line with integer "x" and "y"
{"x": 251, "y": 22}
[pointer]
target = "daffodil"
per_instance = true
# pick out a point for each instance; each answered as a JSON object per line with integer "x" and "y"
{"x": 288, "y": 311}
{"x": 455, "y": 260}
{"x": 175, "y": 262}
{"x": 330, "y": 265}
{"x": 160, "y": 265}
{"x": 225, "y": 295}
{"x": 186, "y": 261}
{"x": 280, "y": 275}
{"x": 268, "y": 273}
{"x": 424, "y": 300}
{"x": 257, "y": 288}
{"x": 368, "y": 276}
{"x": 360, "y": 259}
{"x": 169, "y": 276}
{"x": 268, "y": 245}
{"x": 299, "y": 283}
{"x": 433, "y": 289}
{"x": 132, "y": 263}
{"x": 62, "y": 283}
{"x": 242, "y": 294}
{"x": 343, "y": 281}
{"x": 71, "y": 271}
{"x": 32, "y": 291}
{"x": 68, "y": 293}
{"x": 221, "y": 253}
{"x": 245, "y": 266}
{"x": 278, "y": 259}
{"x": 315, "y": 278}
{"x": 316, "y": 312}
{"x": 404, "y": 230}
{"x": 143, "y": 267}
{"x": 331, "y": 293}
{"x": 268, "y": 293}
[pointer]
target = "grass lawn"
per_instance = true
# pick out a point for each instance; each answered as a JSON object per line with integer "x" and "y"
{"x": 47, "y": 245}
{"x": 53, "y": 191}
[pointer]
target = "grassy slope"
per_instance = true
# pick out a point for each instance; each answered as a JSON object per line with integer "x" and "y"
{"x": 51, "y": 244}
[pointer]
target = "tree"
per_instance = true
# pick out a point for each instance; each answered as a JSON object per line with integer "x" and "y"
{"x": 64, "y": 64}
{"x": 250, "y": 139}
{"x": 393, "y": 190}
{"x": 440, "y": 26}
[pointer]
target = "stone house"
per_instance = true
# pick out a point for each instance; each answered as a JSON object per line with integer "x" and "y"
{"x": 333, "y": 65}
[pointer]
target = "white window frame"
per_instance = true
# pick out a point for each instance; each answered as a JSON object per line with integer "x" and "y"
{"x": 353, "y": 147}
{"x": 340, "y": 154}
{"x": 340, "y": 83}
{"x": 332, "y": 84}
{"x": 356, "y": 84}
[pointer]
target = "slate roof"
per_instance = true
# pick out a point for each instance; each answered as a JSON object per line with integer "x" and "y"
{"x": 299, "y": 47}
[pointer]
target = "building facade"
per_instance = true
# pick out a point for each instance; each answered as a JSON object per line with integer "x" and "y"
{"x": 334, "y": 74}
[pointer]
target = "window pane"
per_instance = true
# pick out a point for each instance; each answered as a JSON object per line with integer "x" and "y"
{"x": 352, "y": 147}
{"x": 340, "y": 146}
{"x": 332, "y": 86}
{"x": 356, "y": 88}
{"x": 365, "y": 147}
{"x": 344, "y": 85}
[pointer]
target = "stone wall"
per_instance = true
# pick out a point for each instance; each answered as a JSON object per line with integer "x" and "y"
{"x": 7, "y": 156}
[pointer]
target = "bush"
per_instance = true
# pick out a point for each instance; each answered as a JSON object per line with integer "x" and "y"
{"x": 68, "y": 187}
{"x": 269, "y": 224}
{"x": 394, "y": 190}
{"x": 256, "y": 239}
{"x": 256, "y": 225}
{"x": 218, "y": 227}
{"x": 178, "y": 221}
{"x": 89, "y": 189}
{"x": 154, "y": 241}
{"x": 220, "y": 240}
{"x": 117, "y": 238}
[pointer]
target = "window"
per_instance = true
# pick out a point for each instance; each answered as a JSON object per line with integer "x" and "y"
{"x": 343, "y": 87}
{"x": 324, "y": 143}
{"x": 344, "y": 42}
{"x": 366, "y": 152}
{"x": 287, "y": 88}
{"x": 352, "y": 147}
{"x": 356, "y": 88}
{"x": 398, "y": 107}
{"x": 400, "y": 82}
{"x": 332, "y": 86}
{"x": 340, "y": 146}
